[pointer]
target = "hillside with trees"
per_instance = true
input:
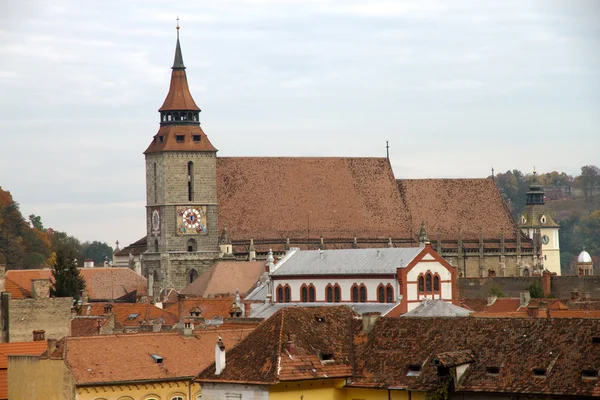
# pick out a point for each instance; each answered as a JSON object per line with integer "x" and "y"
{"x": 574, "y": 201}
{"x": 27, "y": 244}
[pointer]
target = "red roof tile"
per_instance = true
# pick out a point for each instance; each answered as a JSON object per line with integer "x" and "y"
{"x": 449, "y": 203}
{"x": 126, "y": 358}
{"x": 211, "y": 308}
{"x": 333, "y": 197}
{"x": 225, "y": 277}
{"x": 101, "y": 283}
{"x": 321, "y": 337}
{"x": 132, "y": 314}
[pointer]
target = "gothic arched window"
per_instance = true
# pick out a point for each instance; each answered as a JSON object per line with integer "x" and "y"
{"x": 190, "y": 175}
{"x": 436, "y": 283}
{"x": 381, "y": 294}
{"x": 287, "y": 294}
{"x": 354, "y": 293}
{"x": 428, "y": 283}
{"x": 421, "y": 284}
{"x": 304, "y": 294}
{"x": 389, "y": 294}
{"x": 363, "y": 293}
{"x": 311, "y": 294}
{"x": 329, "y": 294}
{"x": 279, "y": 294}
{"x": 337, "y": 293}
{"x": 192, "y": 245}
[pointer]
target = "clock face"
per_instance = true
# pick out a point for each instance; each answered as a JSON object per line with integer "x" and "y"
{"x": 191, "y": 218}
{"x": 545, "y": 239}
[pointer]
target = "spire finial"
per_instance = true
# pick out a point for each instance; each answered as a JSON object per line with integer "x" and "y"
{"x": 387, "y": 149}
{"x": 178, "y": 62}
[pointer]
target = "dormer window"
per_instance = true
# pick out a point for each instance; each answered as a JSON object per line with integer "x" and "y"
{"x": 413, "y": 370}
{"x": 157, "y": 359}
{"x": 161, "y": 139}
{"x": 543, "y": 219}
{"x": 523, "y": 219}
{"x": 326, "y": 357}
{"x": 197, "y": 138}
{"x": 492, "y": 370}
{"x": 539, "y": 372}
{"x": 180, "y": 138}
{"x": 589, "y": 374}
{"x": 187, "y": 325}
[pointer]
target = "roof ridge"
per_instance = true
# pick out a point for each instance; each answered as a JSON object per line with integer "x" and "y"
{"x": 280, "y": 343}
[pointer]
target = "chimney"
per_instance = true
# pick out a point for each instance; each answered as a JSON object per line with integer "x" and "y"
{"x": 219, "y": 357}
{"x": 546, "y": 283}
{"x": 491, "y": 299}
{"x": 251, "y": 251}
{"x": 587, "y": 296}
{"x": 574, "y": 295}
{"x": 188, "y": 327}
{"x": 369, "y": 319}
{"x": 290, "y": 345}
{"x": 180, "y": 303}
{"x": 40, "y": 288}
{"x": 533, "y": 311}
{"x": 85, "y": 297}
{"x": 89, "y": 263}
{"x": 378, "y": 253}
{"x": 525, "y": 297}
{"x": 39, "y": 335}
{"x": 51, "y": 346}
{"x": 321, "y": 254}
{"x": 108, "y": 308}
{"x": 157, "y": 325}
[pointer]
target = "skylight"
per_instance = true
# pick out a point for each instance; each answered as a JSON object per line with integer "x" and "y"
{"x": 133, "y": 316}
{"x": 413, "y": 370}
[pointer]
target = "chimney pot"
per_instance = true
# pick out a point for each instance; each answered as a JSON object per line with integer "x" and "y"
{"x": 219, "y": 356}
{"x": 39, "y": 335}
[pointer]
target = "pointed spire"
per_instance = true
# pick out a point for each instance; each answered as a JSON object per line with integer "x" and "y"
{"x": 178, "y": 62}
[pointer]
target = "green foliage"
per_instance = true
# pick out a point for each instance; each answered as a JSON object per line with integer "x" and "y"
{"x": 36, "y": 222}
{"x": 590, "y": 179}
{"x": 535, "y": 290}
{"x": 442, "y": 392}
{"x": 68, "y": 281}
{"x": 21, "y": 245}
{"x": 96, "y": 251}
{"x": 496, "y": 292}
{"x": 62, "y": 242}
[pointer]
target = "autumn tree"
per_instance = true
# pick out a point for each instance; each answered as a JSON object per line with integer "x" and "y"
{"x": 68, "y": 281}
{"x": 590, "y": 178}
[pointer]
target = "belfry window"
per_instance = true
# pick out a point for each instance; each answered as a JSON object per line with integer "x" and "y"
{"x": 180, "y": 138}
{"x": 192, "y": 245}
{"x": 190, "y": 174}
{"x": 197, "y": 138}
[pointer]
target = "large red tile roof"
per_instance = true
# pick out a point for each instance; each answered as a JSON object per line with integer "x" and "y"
{"x": 322, "y": 337}
{"x": 101, "y": 283}
{"x": 132, "y": 314}
{"x": 225, "y": 277}
{"x": 16, "y": 348}
{"x": 128, "y": 358}
{"x": 517, "y": 346}
{"x": 286, "y": 197}
{"x": 449, "y": 203}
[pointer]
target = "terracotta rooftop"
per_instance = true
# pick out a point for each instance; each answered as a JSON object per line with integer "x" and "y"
{"x": 449, "y": 203}
{"x": 16, "y": 348}
{"x": 521, "y": 349}
{"x": 132, "y": 314}
{"x": 225, "y": 277}
{"x": 166, "y": 139}
{"x": 333, "y": 197}
{"x": 210, "y": 308}
{"x": 87, "y": 325}
{"x": 179, "y": 96}
{"x": 100, "y": 359}
{"x": 101, "y": 283}
{"x": 295, "y": 343}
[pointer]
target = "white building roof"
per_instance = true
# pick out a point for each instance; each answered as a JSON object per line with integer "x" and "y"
{"x": 584, "y": 257}
{"x": 437, "y": 308}
{"x": 345, "y": 262}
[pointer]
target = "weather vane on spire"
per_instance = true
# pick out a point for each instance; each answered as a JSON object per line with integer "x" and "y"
{"x": 177, "y": 27}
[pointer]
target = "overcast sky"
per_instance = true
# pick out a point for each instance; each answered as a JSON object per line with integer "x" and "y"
{"x": 457, "y": 87}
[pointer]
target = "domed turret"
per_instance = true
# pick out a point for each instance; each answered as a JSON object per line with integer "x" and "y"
{"x": 584, "y": 257}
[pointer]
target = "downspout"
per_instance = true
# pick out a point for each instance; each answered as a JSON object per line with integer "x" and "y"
{"x": 389, "y": 394}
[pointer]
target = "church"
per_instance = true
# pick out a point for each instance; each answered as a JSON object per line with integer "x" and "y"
{"x": 201, "y": 208}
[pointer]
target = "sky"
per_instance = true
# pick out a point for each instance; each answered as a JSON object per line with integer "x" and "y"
{"x": 456, "y": 87}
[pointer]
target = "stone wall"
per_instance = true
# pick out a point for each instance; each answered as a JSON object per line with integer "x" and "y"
{"x": 52, "y": 315}
{"x": 560, "y": 286}
{"x": 474, "y": 288}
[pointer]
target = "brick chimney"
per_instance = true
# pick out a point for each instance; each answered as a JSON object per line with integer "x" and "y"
{"x": 575, "y": 295}
{"x": 369, "y": 319}
{"x": 219, "y": 356}
{"x": 51, "y": 346}
{"x": 39, "y": 335}
{"x": 40, "y": 288}
{"x": 546, "y": 283}
{"x": 290, "y": 345}
{"x": 587, "y": 296}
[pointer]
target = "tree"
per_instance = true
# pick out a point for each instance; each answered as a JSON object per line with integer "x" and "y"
{"x": 535, "y": 291}
{"x": 590, "y": 178}
{"x": 62, "y": 242}
{"x": 96, "y": 251}
{"x": 68, "y": 281}
{"x": 36, "y": 222}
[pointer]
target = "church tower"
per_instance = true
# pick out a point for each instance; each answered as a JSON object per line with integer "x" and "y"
{"x": 536, "y": 221}
{"x": 181, "y": 191}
